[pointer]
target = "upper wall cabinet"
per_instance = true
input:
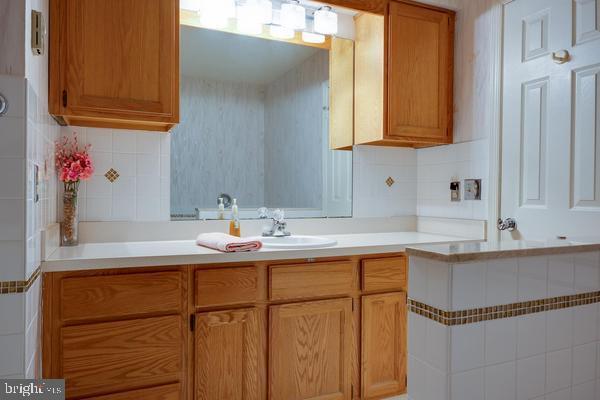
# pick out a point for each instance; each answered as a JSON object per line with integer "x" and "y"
{"x": 403, "y": 76}
{"x": 115, "y": 63}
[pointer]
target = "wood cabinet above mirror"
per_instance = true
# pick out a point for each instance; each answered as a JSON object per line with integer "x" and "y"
{"x": 114, "y": 63}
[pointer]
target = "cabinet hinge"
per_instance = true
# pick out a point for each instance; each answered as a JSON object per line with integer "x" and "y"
{"x": 64, "y": 98}
{"x": 192, "y": 322}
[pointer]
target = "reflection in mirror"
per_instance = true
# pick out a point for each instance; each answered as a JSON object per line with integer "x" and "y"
{"x": 254, "y": 126}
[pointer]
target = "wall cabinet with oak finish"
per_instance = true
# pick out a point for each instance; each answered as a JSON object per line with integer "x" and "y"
{"x": 114, "y": 63}
{"x": 327, "y": 329}
{"x": 404, "y": 76}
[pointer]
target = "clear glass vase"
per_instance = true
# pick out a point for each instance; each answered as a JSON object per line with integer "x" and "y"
{"x": 69, "y": 222}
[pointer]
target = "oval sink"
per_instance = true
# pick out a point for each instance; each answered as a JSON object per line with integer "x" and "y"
{"x": 297, "y": 242}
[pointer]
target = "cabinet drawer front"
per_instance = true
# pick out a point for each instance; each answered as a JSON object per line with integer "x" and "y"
{"x": 225, "y": 286}
{"x": 384, "y": 274}
{"x": 121, "y": 355}
{"x": 311, "y": 280}
{"x": 166, "y": 392}
{"x": 120, "y": 295}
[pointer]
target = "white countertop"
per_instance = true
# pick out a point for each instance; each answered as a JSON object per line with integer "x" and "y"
{"x": 182, "y": 252}
{"x": 464, "y": 252}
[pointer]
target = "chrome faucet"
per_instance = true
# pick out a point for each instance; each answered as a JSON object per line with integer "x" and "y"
{"x": 278, "y": 227}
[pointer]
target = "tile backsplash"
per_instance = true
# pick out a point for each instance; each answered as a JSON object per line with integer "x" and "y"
{"x": 138, "y": 163}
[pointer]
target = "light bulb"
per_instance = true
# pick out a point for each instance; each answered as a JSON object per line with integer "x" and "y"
{"x": 249, "y": 27}
{"x": 293, "y": 16}
{"x": 216, "y": 13}
{"x": 326, "y": 21}
{"x": 256, "y": 11}
{"x": 310, "y": 37}
{"x": 281, "y": 32}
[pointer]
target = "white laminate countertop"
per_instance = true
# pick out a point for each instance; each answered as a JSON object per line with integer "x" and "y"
{"x": 464, "y": 252}
{"x": 183, "y": 252}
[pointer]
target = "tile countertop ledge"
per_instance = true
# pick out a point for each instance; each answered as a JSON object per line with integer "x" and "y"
{"x": 465, "y": 252}
{"x": 184, "y": 252}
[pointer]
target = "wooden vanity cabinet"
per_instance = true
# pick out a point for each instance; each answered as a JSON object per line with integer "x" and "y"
{"x": 114, "y": 63}
{"x": 404, "y": 76}
{"x": 325, "y": 329}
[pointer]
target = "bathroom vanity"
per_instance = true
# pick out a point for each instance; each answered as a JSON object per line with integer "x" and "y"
{"x": 223, "y": 331}
{"x": 276, "y": 324}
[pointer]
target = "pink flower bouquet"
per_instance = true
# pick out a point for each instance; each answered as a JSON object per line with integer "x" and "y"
{"x": 73, "y": 164}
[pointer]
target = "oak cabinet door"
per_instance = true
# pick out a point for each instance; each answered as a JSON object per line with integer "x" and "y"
{"x": 420, "y": 54}
{"x": 310, "y": 350}
{"x": 227, "y": 355}
{"x": 383, "y": 345}
{"x": 118, "y": 62}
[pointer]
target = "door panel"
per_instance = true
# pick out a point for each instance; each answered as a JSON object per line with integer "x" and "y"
{"x": 551, "y": 118}
{"x": 310, "y": 350}
{"x": 383, "y": 345}
{"x": 124, "y": 67}
{"x": 227, "y": 355}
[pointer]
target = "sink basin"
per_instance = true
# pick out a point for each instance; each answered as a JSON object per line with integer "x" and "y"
{"x": 297, "y": 242}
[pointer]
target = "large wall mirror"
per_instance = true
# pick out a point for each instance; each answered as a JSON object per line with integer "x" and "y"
{"x": 254, "y": 126}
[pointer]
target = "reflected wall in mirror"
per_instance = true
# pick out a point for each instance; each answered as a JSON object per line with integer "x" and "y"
{"x": 254, "y": 126}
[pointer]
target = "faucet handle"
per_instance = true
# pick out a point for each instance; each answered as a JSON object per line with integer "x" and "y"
{"x": 278, "y": 215}
{"x": 263, "y": 213}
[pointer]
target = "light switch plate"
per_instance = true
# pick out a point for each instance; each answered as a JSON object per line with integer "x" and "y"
{"x": 472, "y": 189}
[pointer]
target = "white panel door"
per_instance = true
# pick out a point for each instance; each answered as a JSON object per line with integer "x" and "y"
{"x": 551, "y": 118}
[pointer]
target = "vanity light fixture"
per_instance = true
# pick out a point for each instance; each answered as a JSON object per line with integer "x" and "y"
{"x": 310, "y": 37}
{"x": 216, "y": 13}
{"x": 282, "y": 32}
{"x": 293, "y": 15}
{"x": 326, "y": 21}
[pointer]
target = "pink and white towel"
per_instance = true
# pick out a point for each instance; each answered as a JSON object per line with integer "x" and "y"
{"x": 227, "y": 243}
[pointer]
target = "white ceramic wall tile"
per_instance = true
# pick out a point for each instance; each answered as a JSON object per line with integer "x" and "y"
{"x": 437, "y": 345}
{"x": 561, "y": 275}
{"x": 587, "y": 271}
{"x": 468, "y": 285}
{"x": 500, "y": 382}
{"x": 467, "y": 347}
{"x": 533, "y": 278}
{"x": 559, "y": 366}
{"x": 12, "y": 360}
{"x": 564, "y": 394}
{"x": 531, "y": 377}
{"x": 12, "y": 312}
{"x": 584, "y": 363}
{"x": 559, "y": 332}
{"x": 501, "y": 282}
{"x": 417, "y": 336}
{"x": 531, "y": 335}
{"x": 500, "y": 340}
{"x": 585, "y": 324}
{"x": 468, "y": 385}
{"x": 437, "y": 384}
{"x": 585, "y": 391}
{"x": 13, "y": 259}
{"x": 142, "y": 190}
{"x": 417, "y": 378}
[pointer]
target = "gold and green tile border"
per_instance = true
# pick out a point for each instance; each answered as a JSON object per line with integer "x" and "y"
{"x": 463, "y": 317}
{"x": 7, "y": 287}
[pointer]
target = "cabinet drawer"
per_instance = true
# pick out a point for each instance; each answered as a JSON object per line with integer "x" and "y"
{"x": 120, "y": 295}
{"x": 311, "y": 280}
{"x": 384, "y": 274}
{"x": 166, "y": 392}
{"x": 226, "y": 286}
{"x": 121, "y": 355}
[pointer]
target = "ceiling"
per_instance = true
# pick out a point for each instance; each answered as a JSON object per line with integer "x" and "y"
{"x": 223, "y": 56}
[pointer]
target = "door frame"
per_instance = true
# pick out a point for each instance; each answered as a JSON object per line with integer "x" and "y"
{"x": 495, "y": 138}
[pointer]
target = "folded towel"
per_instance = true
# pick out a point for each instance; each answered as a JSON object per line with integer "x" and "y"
{"x": 227, "y": 243}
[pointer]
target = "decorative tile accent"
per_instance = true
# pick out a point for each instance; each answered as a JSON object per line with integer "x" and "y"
{"x": 463, "y": 317}
{"x": 389, "y": 181}
{"x": 111, "y": 175}
{"x": 7, "y": 287}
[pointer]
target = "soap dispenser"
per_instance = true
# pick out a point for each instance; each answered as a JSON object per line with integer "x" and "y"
{"x": 234, "y": 224}
{"x": 221, "y": 211}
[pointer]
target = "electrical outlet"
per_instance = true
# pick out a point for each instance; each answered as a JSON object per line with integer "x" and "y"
{"x": 472, "y": 189}
{"x": 455, "y": 191}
